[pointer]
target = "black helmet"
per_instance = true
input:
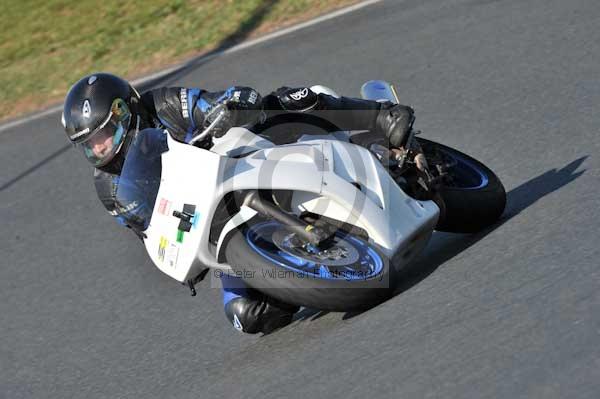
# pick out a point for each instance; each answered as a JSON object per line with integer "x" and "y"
{"x": 98, "y": 114}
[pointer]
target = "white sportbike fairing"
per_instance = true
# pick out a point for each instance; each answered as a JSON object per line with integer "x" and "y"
{"x": 328, "y": 177}
{"x": 180, "y": 197}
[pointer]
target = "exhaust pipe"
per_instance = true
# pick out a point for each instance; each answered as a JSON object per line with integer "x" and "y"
{"x": 306, "y": 231}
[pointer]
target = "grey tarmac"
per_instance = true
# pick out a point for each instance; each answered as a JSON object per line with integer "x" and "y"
{"x": 513, "y": 312}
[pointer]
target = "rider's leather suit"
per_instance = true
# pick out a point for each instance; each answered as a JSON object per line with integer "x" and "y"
{"x": 183, "y": 111}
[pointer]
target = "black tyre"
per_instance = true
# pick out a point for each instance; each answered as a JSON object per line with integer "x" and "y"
{"x": 260, "y": 254}
{"x": 474, "y": 197}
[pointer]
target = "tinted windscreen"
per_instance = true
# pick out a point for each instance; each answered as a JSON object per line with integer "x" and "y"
{"x": 140, "y": 177}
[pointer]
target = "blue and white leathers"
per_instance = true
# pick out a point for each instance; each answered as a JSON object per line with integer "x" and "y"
{"x": 322, "y": 172}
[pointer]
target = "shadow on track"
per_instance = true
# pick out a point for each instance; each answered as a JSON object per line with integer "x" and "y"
{"x": 35, "y": 167}
{"x": 445, "y": 246}
{"x": 309, "y": 314}
{"x": 241, "y": 33}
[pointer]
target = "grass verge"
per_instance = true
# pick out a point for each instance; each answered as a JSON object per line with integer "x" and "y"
{"x": 47, "y": 45}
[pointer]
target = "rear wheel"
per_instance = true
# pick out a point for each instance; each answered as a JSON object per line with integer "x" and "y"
{"x": 473, "y": 195}
{"x": 349, "y": 274}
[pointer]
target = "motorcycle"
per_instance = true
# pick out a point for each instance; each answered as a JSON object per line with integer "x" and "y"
{"x": 328, "y": 222}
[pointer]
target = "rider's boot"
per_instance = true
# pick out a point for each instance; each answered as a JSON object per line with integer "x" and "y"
{"x": 251, "y": 311}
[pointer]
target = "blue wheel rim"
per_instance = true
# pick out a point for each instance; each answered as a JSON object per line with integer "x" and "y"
{"x": 369, "y": 264}
{"x": 466, "y": 175}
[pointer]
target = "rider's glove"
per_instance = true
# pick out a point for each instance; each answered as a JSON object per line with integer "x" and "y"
{"x": 244, "y": 105}
{"x": 395, "y": 122}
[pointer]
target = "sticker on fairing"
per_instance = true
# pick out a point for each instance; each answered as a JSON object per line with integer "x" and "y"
{"x": 172, "y": 255}
{"x": 195, "y": 220}
{"x": 187, "y": 217}
{"x": 161, "y": 248}
{"x": 164, "y": 207}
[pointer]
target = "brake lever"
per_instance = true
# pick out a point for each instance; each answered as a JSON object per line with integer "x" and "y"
{"x": 222, "y": 112}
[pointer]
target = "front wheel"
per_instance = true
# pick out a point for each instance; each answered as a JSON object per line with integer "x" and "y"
{"x": 473, "y": 196}
{"x": 350, "y": 274}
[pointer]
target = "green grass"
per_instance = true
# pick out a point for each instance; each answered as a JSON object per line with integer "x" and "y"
{"x": 45, "y": 46}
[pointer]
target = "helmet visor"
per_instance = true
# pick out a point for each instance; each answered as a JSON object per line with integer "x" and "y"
{"x": 106, "y": 140}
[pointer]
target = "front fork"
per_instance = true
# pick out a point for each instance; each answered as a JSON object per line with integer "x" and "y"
{"x": 428, "y": 174}
{"x": 419, "y": 176}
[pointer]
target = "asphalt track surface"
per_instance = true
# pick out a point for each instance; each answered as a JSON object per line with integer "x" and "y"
{"x": 513, "y": 312}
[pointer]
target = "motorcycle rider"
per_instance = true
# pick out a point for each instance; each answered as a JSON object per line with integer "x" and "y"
{"x": 103, "y": 113}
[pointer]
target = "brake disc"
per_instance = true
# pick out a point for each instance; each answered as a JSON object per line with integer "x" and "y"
{"x": 339, "y": 253}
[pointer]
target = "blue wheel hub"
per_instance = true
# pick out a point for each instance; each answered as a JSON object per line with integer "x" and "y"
{"x": 344, "y": 257}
